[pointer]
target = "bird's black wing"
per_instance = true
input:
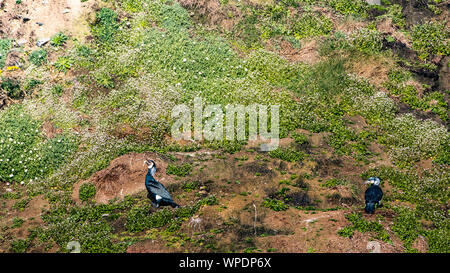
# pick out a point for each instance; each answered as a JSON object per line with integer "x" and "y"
{"x": 159, "y": 189}
{"x": 373, "y": 194}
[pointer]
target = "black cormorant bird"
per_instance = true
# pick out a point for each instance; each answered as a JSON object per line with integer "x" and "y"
{"x": 157, "y": 193}
{"x": 373, "y": 195}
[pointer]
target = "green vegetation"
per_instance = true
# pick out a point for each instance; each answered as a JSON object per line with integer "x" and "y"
{"x": 5, "y": 46}
{"x": 38, "y": 57}
{"x": 87, "y": 191}
{"x": 106, "y": 25}
{"x": 19, "y": 246}
{"x": 274, "y": 204}
{"x": 333, "y": 182}
{"x": 179, "y": 170}
{"x": 147, "y": 56}
{"x": 368, "y": 41}
{"x": 300, "y": 139}
{"x": 310, "y": 25}
{"x": 430, "y": 39}
{"x": 63, "y": 63}
{"x": 362, "y": 225}
{"x": 59, "y": 39}
{"x": 287, "y": 155}
{"x": 12, "y": 88}
{"x": 25, "y": 154}
{"x": 350, "y": 7}
{"x": 190, "y": 186}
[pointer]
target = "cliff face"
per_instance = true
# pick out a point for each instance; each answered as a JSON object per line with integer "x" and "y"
{"x": 89, "y": 90}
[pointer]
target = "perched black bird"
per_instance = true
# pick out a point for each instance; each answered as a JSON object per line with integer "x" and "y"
{"x": 373, "y": 195}
{"x": 157, "y": 193}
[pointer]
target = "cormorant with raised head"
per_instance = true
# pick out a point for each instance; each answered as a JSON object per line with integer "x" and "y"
{"x": 373, "y": 195}
{"x": 157, "y": 193}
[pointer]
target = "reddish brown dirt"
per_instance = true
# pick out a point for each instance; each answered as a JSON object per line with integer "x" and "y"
{"x": 307, "y": 53}
{"x": 55, "y": 16}
{"x": 125, "y": 175}
{"x": 49, "y": 129}
{"x": 149, "y": 246}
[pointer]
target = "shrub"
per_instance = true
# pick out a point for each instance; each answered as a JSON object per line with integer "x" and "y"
{"x": 310, "y": 25}
{"x": 5, "y": 46}
{"x": 190, "y": 186}
{"x": 59, "y": 39}
{"x": 274, "y": 204}
{"x": 63, "y": 63}
{"x": 87, "y": 191}
{"x": 12, "y": 88}
{"x": 171, "y": 16}
{"x": 179, "y": 170}
{"x": 289, "y": 155}
{"x": 106, "y": 25}
{"x": 20, "y": 245}
{"x": 430, "y": 38}
{"x": 367, "y": 40}
{"x": 350, "y": 7}
{"x": 347, "y": 232}
{"x": 377, "y": 108}
{"x": 333, "y": 182}
{"x": 38, "y": 57}
{"x": 411, "y": 139}
{"x": 300, "y": 139}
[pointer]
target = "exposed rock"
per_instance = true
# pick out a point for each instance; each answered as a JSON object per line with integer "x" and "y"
{"x": 21, "y": 42}
{"x": 374, "y": 2}
{"x": 42, "y": 42}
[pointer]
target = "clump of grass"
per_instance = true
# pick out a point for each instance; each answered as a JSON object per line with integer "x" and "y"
{"x": 87, "y": 191}
{"x": 12, "y": 88}
{"x": 430, "y": 39}
{"x": 310, "y": 25}
{"x": 63, "y": 63}
{"x": 367, "y": 40}
{"x": 350, "y": 7}
{"x": 57, "y": 89}
{"x": 20, "y": 245}
{"x": 300, "y": 139}
{"x": 288, "y": 155}
{"x": 333, "y": 182}
{"x": 5, "y": 46}
{"x": 179, "y": 170}
{"x": 363, "y": 226}
{"x": 38, "y": 57}
{"x": 17, "y": 222}
{"x": 106, "y": 25}
{"x": 190, "y": 186}
{"x": 274, "y": 204}
{"x": 59, "y": 39}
